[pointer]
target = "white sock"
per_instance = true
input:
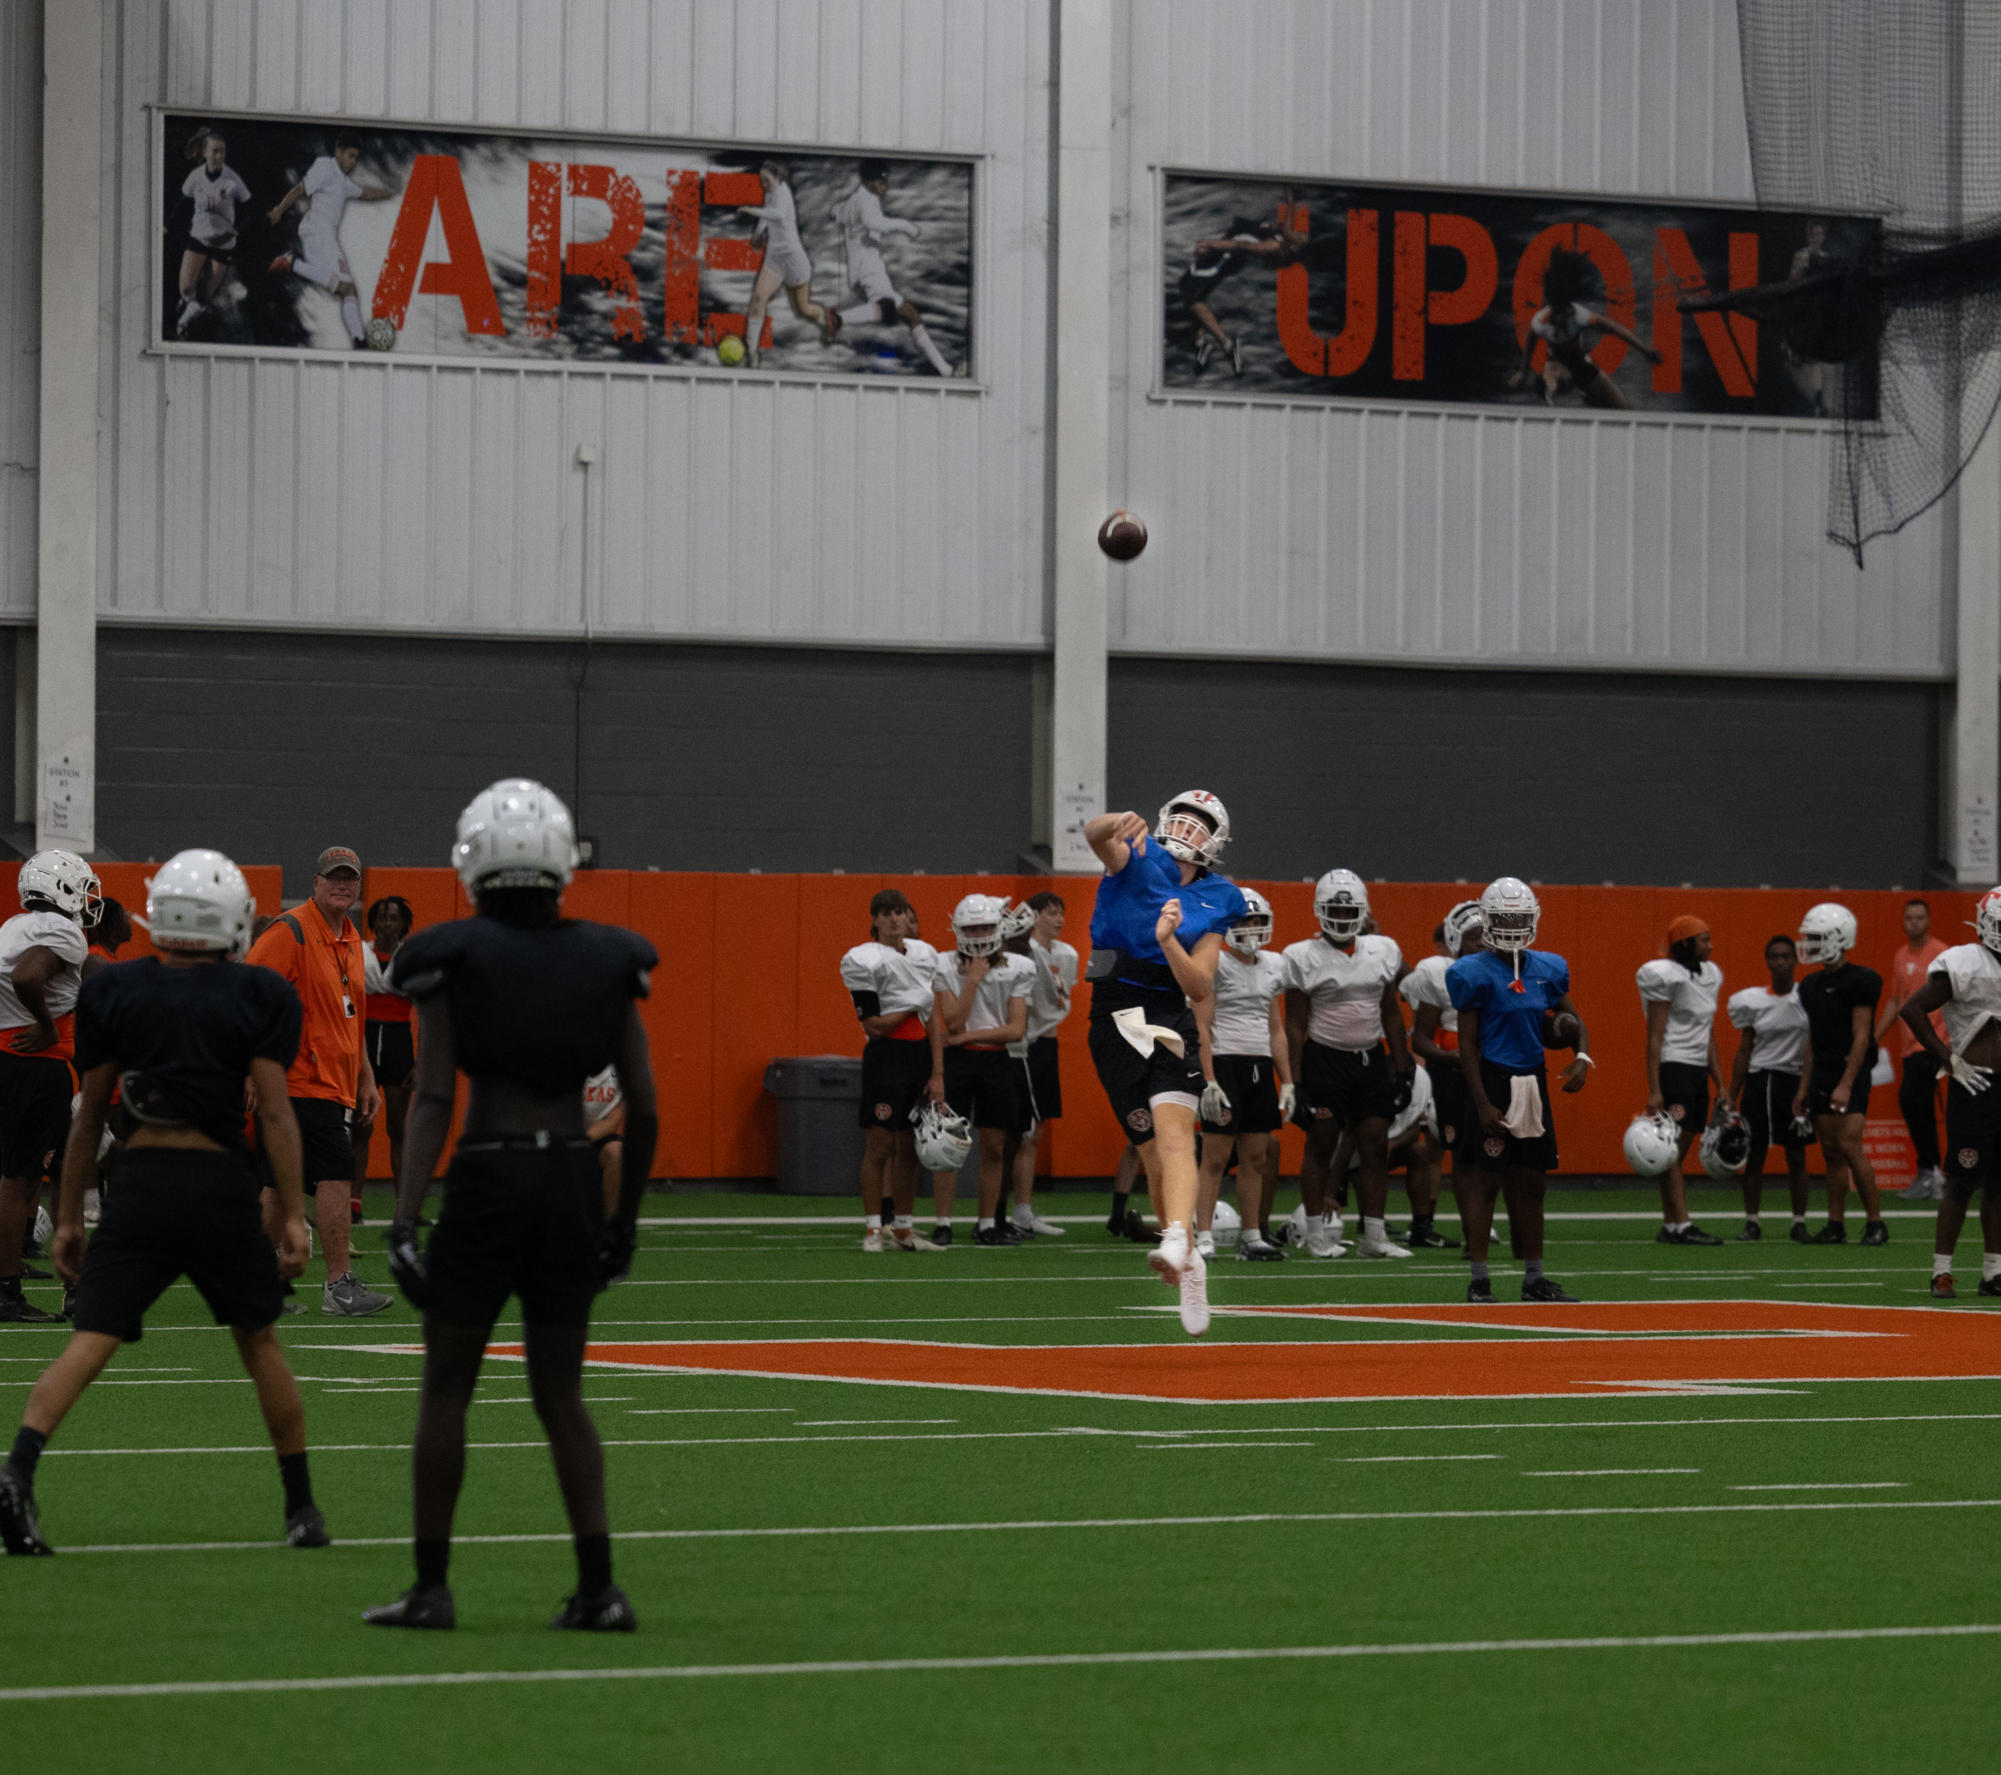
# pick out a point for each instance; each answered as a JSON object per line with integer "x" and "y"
{"x": 1990, "y": 1265}
{"x": 859, "y": 315}
{"x": 1022, "y": 1213}
{"x": 1941, "y": 1263}
{"x": 920, "y": 337}
{"x": 874, "y": 1223}
{"x": 1372, "y": 1228}
{"x": 1680, "y": 1226}
{"x": 904, "y": 1223}
{"x": 985, "y": 1223}
{"x": 350, "y": 311}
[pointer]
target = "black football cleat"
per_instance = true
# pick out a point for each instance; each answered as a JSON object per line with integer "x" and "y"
{"x": 306, "y": 1527}
{"x": 20, "y": 1533}
{"x": 603, "y": 1611}
{"x": 1989, "y": 1285}
{"x": 1942, "y": 1288}
{"x": 1424, "y": 1236}
{"x": 15, "y": 1309}
{"x": 941, "y": 1234}
{"x": 1751, "y": 1234}
{"x": 431, "y": 1608}
{"x": 31, "y": 1272}
{"x": 1799, "y": 1235}
{"x": 1542, "y": 1288}
{"x": 1876, "y": 1233}
{"x": 992, "y": 1235}
{"x": 1480, "y": 1292}
{"x": 1834, "y": 1233}
{"x": 1689, "y": 1235}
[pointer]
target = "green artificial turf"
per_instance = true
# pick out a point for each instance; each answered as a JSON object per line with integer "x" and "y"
{"x": 1409, "y": 1551}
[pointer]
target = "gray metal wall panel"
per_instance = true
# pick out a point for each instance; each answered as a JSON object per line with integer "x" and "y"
{"x": 271, "y": 746}
{"x": 20, "y": 300}
{"x": 1580, "y": 776}
{"x": 1302, "y": 529}
{"x": 242, "y": 492}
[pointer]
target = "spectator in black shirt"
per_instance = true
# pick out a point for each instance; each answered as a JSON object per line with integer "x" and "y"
{"x": 1840, "y": 1004}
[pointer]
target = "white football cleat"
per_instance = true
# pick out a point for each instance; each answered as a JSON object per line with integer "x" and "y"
{"x": 1323, "y": 1237}
{"x": 907, "y": 1238}
{"x": 1336, "y": 1226}
{"x": 1031, "y": 1222}
{"x": 1381, "y": 1248}
{"x": 1172, "y": 1255}
{"x": 1205, "y": 1244}
{"x": 872, "y": 1239}
{"x": 1195, "y": 1296}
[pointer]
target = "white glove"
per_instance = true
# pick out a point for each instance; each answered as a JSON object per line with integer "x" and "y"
{"x": 1968, "y": 1077}
{"x": 1215, "y": 1104}
{"x": 1288, "y": 1098}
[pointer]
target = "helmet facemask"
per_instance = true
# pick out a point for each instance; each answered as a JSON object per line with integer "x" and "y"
{"x": 1186, "y": 834}
{"x": 1247, "y": 938}
{"x": 1987, "y": 920}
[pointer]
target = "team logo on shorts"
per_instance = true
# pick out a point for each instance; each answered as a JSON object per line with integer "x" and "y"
{"x": 1495, "y": 1146}
{"x": 1967, "y": 1158}
{"x": 1140, "y": 1120}
{"x": 882, "y": 1112}
{"x": 1677, "y": 1110}
{"x": 1451, "y": 1135}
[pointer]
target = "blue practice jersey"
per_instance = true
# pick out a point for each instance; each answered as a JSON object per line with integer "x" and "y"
{"x": 1128, "y": 905}
{"x": 1511, "y": 1011}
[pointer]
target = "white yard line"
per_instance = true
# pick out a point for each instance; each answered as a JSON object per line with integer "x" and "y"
{"x": 1832, "y": 1485}
{"x": 1600, "y": 1472}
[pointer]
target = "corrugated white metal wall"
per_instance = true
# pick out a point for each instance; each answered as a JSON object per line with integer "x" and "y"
{"x": 379, "y": 495}
{"x": 1314, "y": 530}
{"x": 20, "y": 299}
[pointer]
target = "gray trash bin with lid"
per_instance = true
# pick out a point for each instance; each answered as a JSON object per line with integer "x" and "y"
{"x": 819, "y": 1124}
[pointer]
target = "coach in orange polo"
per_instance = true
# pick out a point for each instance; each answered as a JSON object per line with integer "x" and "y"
{"x": 317, "y": 948}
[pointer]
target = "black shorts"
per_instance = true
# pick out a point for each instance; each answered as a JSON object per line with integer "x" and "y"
{"x": 521, "y": 1220}
{"x": 1045, "y": 1078}
{"x": 894, "y": 1075}
{"x": 391, "y": 1051}
{"x": 34, "y": 1113}
{"x": 223, "y": 252}
{"x": 1454, "y": 1103}
{"x": 1574, "y": 358}
{"x": 177, "y": 1213}
{"x": 1685, "y": 1092}
{"x": 1250, "y": 1081}
{"x": 1133, "y": 1080}
{"x": 1193, "y": 289}
{"x": 1972, "y": 1137}
{"x": 1479, "y": 1151}
{"x": 1825, "y": 1076}
{"x": 1355, "y": 1084}
{"x": 326, "y": 1142}
{"x": 1768, "y": 1107}
{"x": 988, "y": 1088}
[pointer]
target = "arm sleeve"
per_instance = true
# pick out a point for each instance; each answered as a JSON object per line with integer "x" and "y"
{"x": 421, "y": 966}
{"x": 867, "y": 1004}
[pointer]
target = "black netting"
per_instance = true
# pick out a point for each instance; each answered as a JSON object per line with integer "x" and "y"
{"x": 1890, "y": 108}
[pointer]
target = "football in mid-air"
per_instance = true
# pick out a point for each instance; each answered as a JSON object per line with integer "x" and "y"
{"x": 1122, "y": 535}
{"x": 380, "y": 334}
{"x": 729, "y": 350}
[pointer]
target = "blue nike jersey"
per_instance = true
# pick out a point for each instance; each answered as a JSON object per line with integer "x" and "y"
{"x": 1511, "y": 1012}
{"x": 1128, "y": 905}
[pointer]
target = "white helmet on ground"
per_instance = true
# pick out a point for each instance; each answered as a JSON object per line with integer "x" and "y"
{"x": 1827, "y": 933}
{"x": 944, "y": 1137}
{"x": 979, "y": 912}
{"x": 1253, "y": 931}
{"x": 1726, "y": 1148}
{"x": 1341, "y": 904}
{"x": 1193, "y": 827}
{"x": 1509, "y": 914}
{"x": 1017, "y": 921}
{"x": 1651, "y": 1145}
{"x": 1226, "y": 1226}
{"x": 199, "y": 900}
{"x": 1987, "y": 919}
{"x": 66, "y": 881}
{"x": 515, "y": 833}
{"x": 1462, "y": 918}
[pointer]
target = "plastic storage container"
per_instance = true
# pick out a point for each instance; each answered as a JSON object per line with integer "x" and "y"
{"x": 819, "y": 1124}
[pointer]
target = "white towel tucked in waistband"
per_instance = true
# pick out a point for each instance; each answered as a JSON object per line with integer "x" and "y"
{"x": 1524, "y": 1117}
{"x": 1143, "y": 1035}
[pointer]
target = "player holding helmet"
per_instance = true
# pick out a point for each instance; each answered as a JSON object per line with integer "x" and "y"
{"x": 1248, "y": 1101}
{"x": 179, "y": 1033}
{"x": 1434, "y": 1038}
{"x": 979, "y": 1007}
{"x": 1344, "y": 1026}
{"x": 1840, "y": 1003}
{"x": 527, "y": 1004}
{"x": 1156, "y": 937}
{"x": 1678, "y": 998}
{"x": 1965, "y": 982}
{"x": 1503, "y": 992}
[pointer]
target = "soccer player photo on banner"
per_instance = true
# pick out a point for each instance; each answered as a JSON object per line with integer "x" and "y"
{"x": 326, "y": 236}
{"x": 1395, "y": 293}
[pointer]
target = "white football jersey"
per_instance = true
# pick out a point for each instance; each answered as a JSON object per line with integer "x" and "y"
{"x": 1691, "y": 1002}
{"x": 215, "y": 200}
{"x": 1425, "y": 985}
{"x": 45, "y": 930}
{"x": 901, "y": 979}
{"x": 601, "y": 1095}
{"x": 1778, "y": 1024}
{"x": 1055, "y": 981}
{"x": 1008, "y": 979}
{"x": 1244, "y": 991}
{"x": 327, "y": 192}
{"x": 1344, "y": 989}
{"x": 1975, "y": 973}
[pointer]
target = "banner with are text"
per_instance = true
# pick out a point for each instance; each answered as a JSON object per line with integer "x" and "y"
{"x": 1396, "y": 293}
{"x": 282, "y": 232}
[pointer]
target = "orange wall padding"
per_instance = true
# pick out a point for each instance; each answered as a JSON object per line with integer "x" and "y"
{"x": 750, "y": 972}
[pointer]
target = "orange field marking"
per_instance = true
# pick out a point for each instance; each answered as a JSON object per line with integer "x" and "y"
{"x": 1643, "y": 1345}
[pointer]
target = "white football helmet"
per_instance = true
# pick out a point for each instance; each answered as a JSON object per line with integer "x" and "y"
{"x": 1987, "y": 920}
{"x": 1017, "y": 921}
{"x": 1827, "y": 933}
{"x": 66, "y": 881}
{"x": 515, "y": 833}
{"x": 980, "y": 912}
{"x": 1253, "y": 931}
{"x": 944, "y": 1137}
{"x": 1462, "y": 918}
{"x": 1226, "y": 1225}
{"x": 1193, "y": 828}
{"x": 1509, "y": 914}
{"x": 1726, "y": 1148}
{"x": 1652, "y": 1146}
{"x": 1340, "y": 903}
{"x": 199, "y": 900}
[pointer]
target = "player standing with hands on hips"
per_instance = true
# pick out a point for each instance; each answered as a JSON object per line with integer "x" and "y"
{"x": 1156, "y": 934}
{"x": 527, "y": 1004}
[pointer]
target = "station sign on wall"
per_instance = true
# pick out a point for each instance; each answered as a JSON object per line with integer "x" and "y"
{"x": 1398, "y": 293}
{"x": 281, "y": 232}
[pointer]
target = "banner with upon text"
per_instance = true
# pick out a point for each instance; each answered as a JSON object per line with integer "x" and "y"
{"x": 282, "y": 232}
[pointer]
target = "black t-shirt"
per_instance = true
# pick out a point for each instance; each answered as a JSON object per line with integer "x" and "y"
{"x": 183, "y": 1039}
{"x": 545, "y": 1008}
{"x": 1829, "y": 998}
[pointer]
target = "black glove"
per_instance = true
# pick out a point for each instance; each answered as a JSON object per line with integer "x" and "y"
{"x": 616, "y": 1244}
{"x": 406, "y": 1262}
{"x": 1302, "y": 1109}
{"x": 1401, "y": 1090}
